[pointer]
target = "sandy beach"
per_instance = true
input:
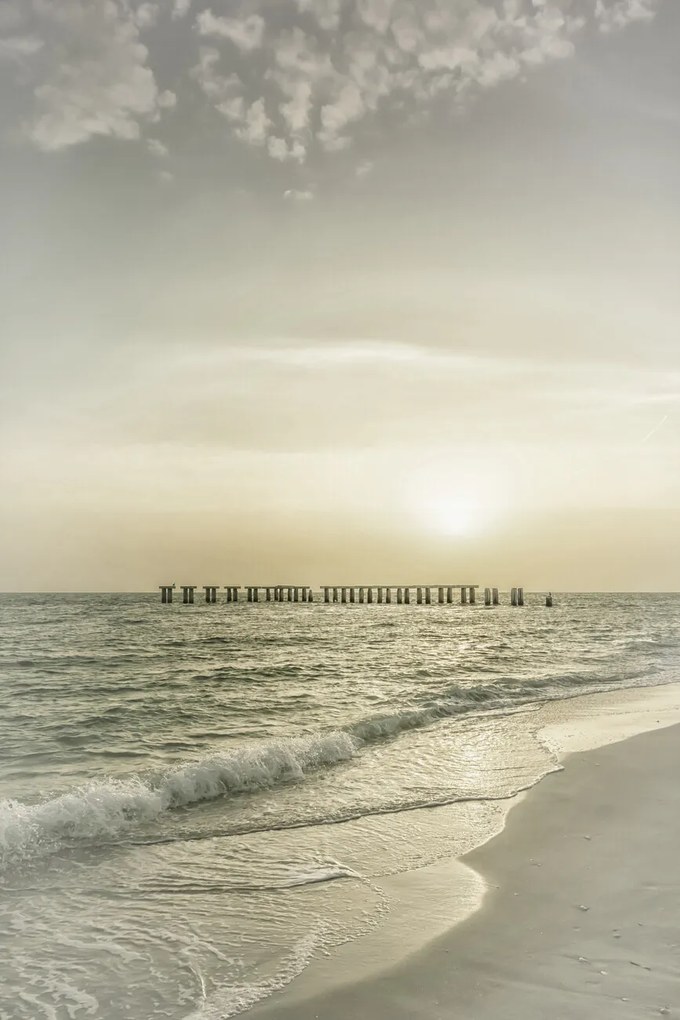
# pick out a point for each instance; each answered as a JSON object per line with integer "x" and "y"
{"x": 581, "y": 917}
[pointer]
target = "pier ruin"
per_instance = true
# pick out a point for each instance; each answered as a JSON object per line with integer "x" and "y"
{"x": 348, "y": 594}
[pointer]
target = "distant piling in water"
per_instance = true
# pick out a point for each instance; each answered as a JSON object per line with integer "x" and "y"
{"x": 347, "y": 594}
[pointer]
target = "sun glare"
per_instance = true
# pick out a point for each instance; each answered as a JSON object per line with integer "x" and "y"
{"x": 454, "y": 516}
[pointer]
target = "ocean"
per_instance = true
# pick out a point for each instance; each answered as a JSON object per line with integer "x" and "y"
{"x": 198, "y": 801}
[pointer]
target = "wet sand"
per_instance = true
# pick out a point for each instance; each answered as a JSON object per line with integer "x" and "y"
{"x": 581, "y": 918}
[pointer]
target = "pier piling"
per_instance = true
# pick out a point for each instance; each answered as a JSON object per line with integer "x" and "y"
{"x": 188, "y": 594}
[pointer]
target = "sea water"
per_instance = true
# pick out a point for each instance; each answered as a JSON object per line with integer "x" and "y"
{"x": 197, "y": 801}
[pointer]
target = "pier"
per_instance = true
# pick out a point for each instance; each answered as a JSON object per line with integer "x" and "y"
{"x": 351, "y": 594}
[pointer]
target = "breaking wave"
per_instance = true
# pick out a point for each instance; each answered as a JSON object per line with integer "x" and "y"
{"x": 103, "y": 810}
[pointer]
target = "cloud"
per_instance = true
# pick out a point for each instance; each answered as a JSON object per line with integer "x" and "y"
{"x": 146, "y": 15}
{"x": 89, "y": 72}
{"x": 180, "y": 9}
{"x": 618, "y": 14}
{"x": 18, "y": 47}
{"x": 245, "y": 33}
{"x": 326, "y": 12}
{"x": 293, "y": 195}
{"x": 336, "y": 64}
{"x": 157, "y": 148}
{"x": 297, "y": 78}
{"x": 255, "y": 124}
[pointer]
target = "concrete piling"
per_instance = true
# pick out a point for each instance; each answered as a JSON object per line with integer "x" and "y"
{"x": 419, "y": 596}
{"x": 407, "y": 596}
{"x": 513, "y": 597}
{"x": 520, "y": 596}
{"x": 463, "y": 596}
{"x": 388, "y": 596}
{"x": 549, "y": 600}
{"x": 380, "y": 596}
{"x": 351, "y": 594}
{"x": 487, "y": 596}
{"x": 326, "y": 594}
{"x": 428, "y": 596}
{"x": 473, "y": 596}
{"x": 370, "y": 596}
{"x": 449, "y": 596}
{"x": 188, "y": 594}
{"x": 495, "y": 597}
{"x": 440, "y": 595}
{"x": 166, "y": 593}
{"x": 210, "y": 594}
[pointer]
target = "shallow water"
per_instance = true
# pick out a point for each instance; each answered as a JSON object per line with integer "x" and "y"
{"x": 196, "y": 800}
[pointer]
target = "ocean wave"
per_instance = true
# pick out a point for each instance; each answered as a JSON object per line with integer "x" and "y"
{"x": 104, "y": 810}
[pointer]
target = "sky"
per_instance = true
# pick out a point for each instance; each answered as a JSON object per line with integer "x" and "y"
{"x": 339, "y": 291}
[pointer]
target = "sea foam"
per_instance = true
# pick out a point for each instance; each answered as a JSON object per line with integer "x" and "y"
{"x": 103, "y": 810}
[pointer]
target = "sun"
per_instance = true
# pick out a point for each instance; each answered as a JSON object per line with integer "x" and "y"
{"x": 454, "y": 516}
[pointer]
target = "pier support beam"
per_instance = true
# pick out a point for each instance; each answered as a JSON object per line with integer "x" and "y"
{"x": 380, "y": 595}
{"x": 166, "y": 593}
{"x": 335, "y": 594}
{"x": 362, "y": 595}
{"x": 310, "y": 595}
{"x": 351, "y": 594}
{"x": 388, "y": 596}
{"x": 419, "y": 596}
{"x": 210, "y": 594}
{"x": 428, "y": 596}
{"x": 440, "y": 595}
{"x": 344, "y": 595}
{"x": 449, "y": 596}
{"x": 407, "y": 596}
{"x": 188, "y": 594}
{"x": 513, "y": 597}
{"x": 473, "y": 596}
{"x": 487, "y": 596}
{"x": 463, "y": 596}
{"x": 326, "y": 594}
{"x": 400, "y": 596}
{"x": 495, "y": 597}
{"x": 520, "y": 596}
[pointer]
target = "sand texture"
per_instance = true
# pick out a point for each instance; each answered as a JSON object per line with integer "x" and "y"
{"x": 582, "y": 917}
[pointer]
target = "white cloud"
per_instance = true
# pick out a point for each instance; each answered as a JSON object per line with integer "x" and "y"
{"x": 617, "y": 14}
{"x": 293, "y": 195}
{"x": 180, "y": 9}
{"x": 326, "y": 12}
{"x": 294, "y": 78}
{"x": 336, "y": 63}
{"x": 93, "y": 77}
{"x": 255, "y": 125}
{"x": 17, "y": 47}
{"x": 157, "y": 148}
{"x": 246, "y": 33}
{"x": 146, "y": 15}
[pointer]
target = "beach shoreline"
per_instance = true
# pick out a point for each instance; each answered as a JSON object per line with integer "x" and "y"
{"x": 559, "y": 914}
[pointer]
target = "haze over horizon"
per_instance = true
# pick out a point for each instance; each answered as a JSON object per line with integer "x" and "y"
{"x": 340, "y": 291}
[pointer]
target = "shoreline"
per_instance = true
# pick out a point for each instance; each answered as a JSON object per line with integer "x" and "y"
{"x": 440, "y": 905}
